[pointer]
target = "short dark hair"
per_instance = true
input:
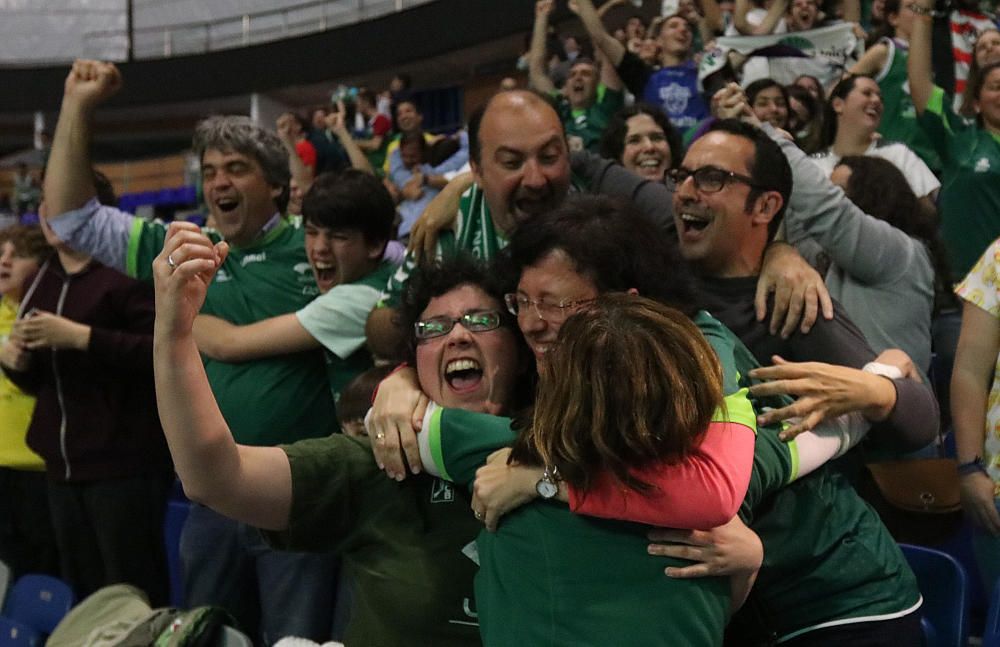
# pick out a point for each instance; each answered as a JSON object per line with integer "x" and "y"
{"x": 366, "y": 94}
{"x": 613, "y": 140}
{"x": 439, "y": 277}
{"x": 610, "y": 243}
{"x": 28, "y": 241}
{"x": 350, "y": 199}
{"x": 413, "y": 138}
{"x": 409, "y": 100}
{"x": 760, "y": 85}
{"x": 769, "y": 168}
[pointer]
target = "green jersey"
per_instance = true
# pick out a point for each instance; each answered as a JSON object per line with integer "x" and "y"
{"x": 409, "y": 545}
{"x": 900, "y": 122}
{"x": 970, "y": 185}
{"x": 266, "y": 401}
{"x": 337, "y": 321}
{"x": 474, "y": 233}
{"x": 588, "y": 124}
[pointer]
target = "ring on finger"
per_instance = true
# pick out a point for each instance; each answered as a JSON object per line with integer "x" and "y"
{"x": 379, "y": 435}
{"x": 171, "y": 262}
{"x": 478, "y": 514}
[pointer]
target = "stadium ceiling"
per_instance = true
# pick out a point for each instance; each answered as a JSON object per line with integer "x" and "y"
{"x": 49, "y": 32}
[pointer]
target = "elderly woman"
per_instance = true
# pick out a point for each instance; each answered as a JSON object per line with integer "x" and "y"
{"x": 403, "y": 543}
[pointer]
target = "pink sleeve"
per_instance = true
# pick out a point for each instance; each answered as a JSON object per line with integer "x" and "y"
{"x": 703, "y": 492}
{"x": 381, "y": 125}
{"x": 307, "y": 153}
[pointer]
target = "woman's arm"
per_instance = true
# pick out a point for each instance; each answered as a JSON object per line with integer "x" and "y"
{"x": 250, "y": 484}
{"x": 975, "y": 360}
{"x": 872, "y": 61}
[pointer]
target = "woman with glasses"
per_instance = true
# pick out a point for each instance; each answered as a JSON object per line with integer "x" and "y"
{"x": 405, "y": 544}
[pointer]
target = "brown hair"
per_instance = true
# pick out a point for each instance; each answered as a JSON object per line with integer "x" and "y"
{"x": 630, "y": 381}
{"x": 28, "y": 241}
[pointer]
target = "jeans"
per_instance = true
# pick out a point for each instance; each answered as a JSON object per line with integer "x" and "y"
{"x": 272, "y": 594}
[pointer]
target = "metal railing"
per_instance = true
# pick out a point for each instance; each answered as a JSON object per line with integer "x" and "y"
{"x": 240, "y": 31}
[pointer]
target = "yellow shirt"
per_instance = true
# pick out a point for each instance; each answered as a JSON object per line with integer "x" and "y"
{"x": 16, "y": 408}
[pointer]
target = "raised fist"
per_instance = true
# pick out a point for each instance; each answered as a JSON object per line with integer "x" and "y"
{"x": 90, "y": 83}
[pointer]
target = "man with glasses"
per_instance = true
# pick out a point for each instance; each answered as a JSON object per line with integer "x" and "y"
{"x": 730, "y": 193}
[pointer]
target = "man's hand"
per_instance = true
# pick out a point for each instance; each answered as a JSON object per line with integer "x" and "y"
{"x": 91, "y": 83}
{"x": 440, "y": 213}
{"x": 46, "y": 330}
{"x": 414, "y": 187}
{"x": 730, "y": 102}
{"x": 181, "y": 276}
{"x": 396, "y": 415}
{"x": 823, "y": 391}
{"x": 501, "y": 487}
{"x": 335, "y": 120}
{"x": 978, "y": 501}
{"x": 799, "y": 291}
{"x": 543, "y": 8}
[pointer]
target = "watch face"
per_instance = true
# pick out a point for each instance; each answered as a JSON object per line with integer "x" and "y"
{"x": 546, "y": 489}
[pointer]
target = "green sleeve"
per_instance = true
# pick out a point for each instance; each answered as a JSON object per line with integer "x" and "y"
{"x": 940, "y": 123}
{"x": 337, "y": 490}
{"x": 775, "y": 465}
{"x": 611, "y": 101}
{"x": 460, "y": 441}
{"x": 145, "y": 242}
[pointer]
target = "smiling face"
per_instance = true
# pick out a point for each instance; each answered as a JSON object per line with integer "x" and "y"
{"x": 408, "y": 118}
{"x": 987, "y": 104}
{"x": 339, "y": 256}
{"x": 646, "y": 152}
{"x": 675, "y": 36}
{"x": 15, "y": 268}
{"x": 717, "y": 233}
{"x": 769, "y": 105}
{"x": 552, "y": 280}
{"x": 524, "y": 163}
{"x": 581, "y": 85}
{"x": 467, "y": 370}
{"x": 238, "y": 196}
{"x": 861, "y": 109}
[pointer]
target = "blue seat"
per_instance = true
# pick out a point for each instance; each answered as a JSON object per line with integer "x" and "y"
{"x": 991, "y": 632}
{"x": 173, "y": 524}
{"x": 942, "y": 583}
{"x": 15, "y": 634}
{"x": 39, "y": 601}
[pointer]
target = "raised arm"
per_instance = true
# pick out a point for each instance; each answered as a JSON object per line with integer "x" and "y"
{"x": 68, "y": 180}
{"x": 918, "y": 67}
{"x": 774, "y": 15}
{"x": 250, "y": 484}
{"x": 537, "y": 76}
{"x": 607, "y": 43}
{"x": 302, "y": 174}
{"x": 357, "y": 157}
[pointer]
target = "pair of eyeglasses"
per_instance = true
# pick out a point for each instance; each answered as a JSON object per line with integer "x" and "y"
{"x": 709, "y": 179}
{"x": 518, "y": 304}
{"x": 476, "y": 321}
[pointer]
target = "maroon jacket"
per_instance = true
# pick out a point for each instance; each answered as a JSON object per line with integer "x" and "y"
{"x": 96, "y": 412}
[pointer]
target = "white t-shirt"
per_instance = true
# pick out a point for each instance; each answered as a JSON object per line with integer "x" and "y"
{"x": 921, "y": 179}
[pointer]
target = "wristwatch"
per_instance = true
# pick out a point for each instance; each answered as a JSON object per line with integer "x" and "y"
{"x": 974, "y": 466}
{"x": 548, "y": 486}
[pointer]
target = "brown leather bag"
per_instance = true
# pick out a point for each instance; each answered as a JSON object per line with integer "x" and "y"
{"x": 927, "y": 485}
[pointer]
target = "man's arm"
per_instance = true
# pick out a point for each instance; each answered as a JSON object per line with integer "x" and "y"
{"x": 537, "y": 77}
{"x": 607, "y": 43}
{"x": 359, "y": 161}
{"x": 227, "y": 342}
{"x": 69, "y": 181}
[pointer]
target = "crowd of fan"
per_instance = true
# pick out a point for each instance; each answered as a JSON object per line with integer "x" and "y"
{"x": 822, "y": 219}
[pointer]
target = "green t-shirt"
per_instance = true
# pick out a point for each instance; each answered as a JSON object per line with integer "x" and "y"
{"x": 970, "y": 185}
{"x": 266, "y": 401}
{"x": 589, "y": 123}
{"x": 474, "y": 233}
{"x": 337, "y": 321}
{"x": 409, "y": 545}
{"x": 900, "y": 121}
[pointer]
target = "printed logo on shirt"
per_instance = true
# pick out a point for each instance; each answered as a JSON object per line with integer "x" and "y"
{"x": 253, "y": 258}
{"x": 222, "y": 275}
{"x": 982, "y": 165}
{"x": 675, "y": 98}
{"x": 301, "y": 268}
{"x": 442, "y": 492}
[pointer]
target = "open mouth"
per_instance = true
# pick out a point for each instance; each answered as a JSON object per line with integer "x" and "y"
{"x": 693, "y": 222}
{"x": 226, "y": 205}
{"x": 463, "y": 375}
{"x": 325, "y": 272}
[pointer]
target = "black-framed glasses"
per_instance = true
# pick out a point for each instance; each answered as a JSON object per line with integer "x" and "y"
{"x": 475, "y": 321}
{"x": 709, "y": 179}
{"x": 545, "y": 310}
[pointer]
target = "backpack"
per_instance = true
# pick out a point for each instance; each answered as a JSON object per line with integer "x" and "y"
{"x": 120, "y": 616}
